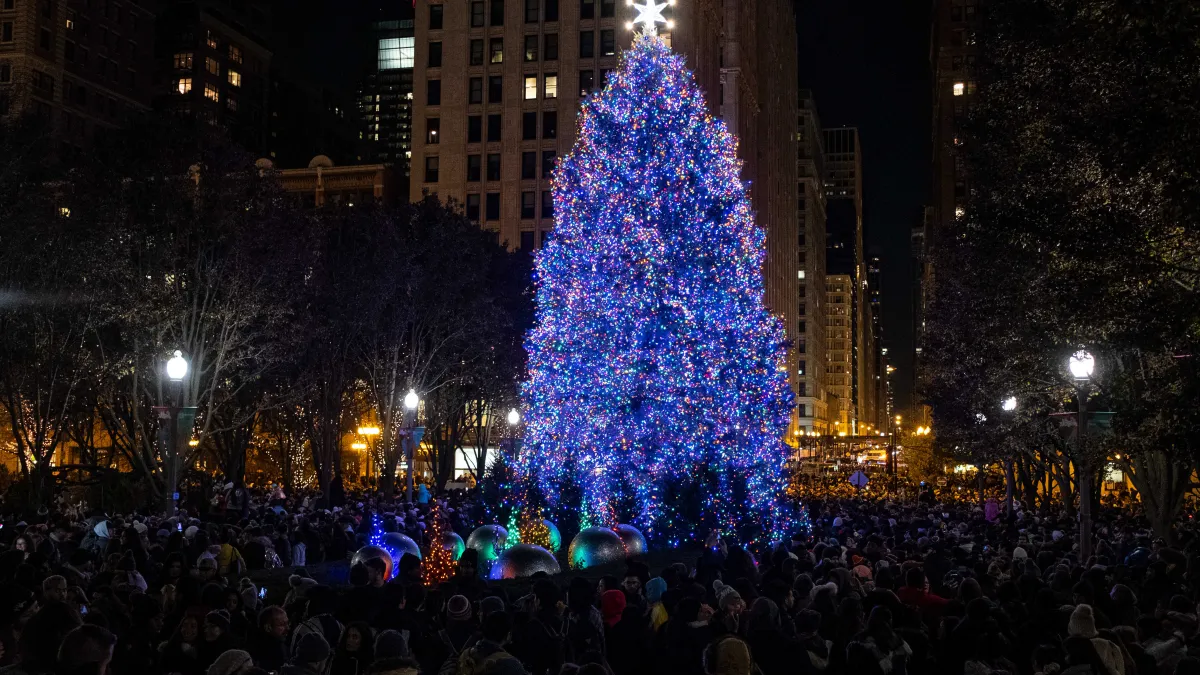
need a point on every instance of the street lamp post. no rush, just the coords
(175, 424)
(412, 438)
(1082, 364)
(1009, 405)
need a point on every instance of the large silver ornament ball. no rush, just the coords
(489, 540)
(366, 553)
(523, 560)
(635, 543)
(401, 543)
(555, 536)
(595, 546)
(453, 543)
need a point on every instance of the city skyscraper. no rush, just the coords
(386, 95)
(497, 86)
(813, 406)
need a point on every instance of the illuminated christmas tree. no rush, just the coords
(656, 393)
(438, 565)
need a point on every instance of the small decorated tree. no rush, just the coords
(438, 565)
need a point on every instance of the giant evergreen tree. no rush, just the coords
(656, 389)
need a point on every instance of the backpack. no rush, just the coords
(470, 663)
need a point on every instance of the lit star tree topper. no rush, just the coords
(650, 15)
(656, 391)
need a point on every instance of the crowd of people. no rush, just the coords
(873, 587)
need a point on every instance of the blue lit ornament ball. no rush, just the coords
(595, 546)
(523, 560)
(555, 536)
(400, 543)
(453, 543)
(489, 541)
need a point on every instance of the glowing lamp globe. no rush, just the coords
(400, 543)
(366, 553)
(489, 541)
(514, 417)
(177, 366)
(1081, 364)
(453, 543)
(1009, 404)
(635, 542)
(411, 399)
(523, 560)
(595, 546)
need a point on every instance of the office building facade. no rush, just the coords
(386, 95)
(844, 258)
(813, 405)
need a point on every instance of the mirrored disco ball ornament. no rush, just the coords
(635, 543)
(523, 560)
(595, 546)
(555, 536)
(366, 553)
(489, 540)
(453, 543)
(401, 543)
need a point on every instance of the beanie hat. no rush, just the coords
(312, 648)
(490, 605)
(459, 608)
(390, 645)
(612, 605)
(232, 662)
(654, 589)
(219, 618)
(250, 597)
(728, 656)
(726, 595)
(1019, 554)
(1082, 623)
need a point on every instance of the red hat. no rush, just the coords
(612, 605)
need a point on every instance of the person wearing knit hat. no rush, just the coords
(231, 662)
(459, 608)
(728, 599)
(490, 604)
(612, 606)
(1083, 624)
(312, 651)
(727, 656)
(390, 644)
(658, 612)
(1019, 554)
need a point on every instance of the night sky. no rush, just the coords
(867, 64)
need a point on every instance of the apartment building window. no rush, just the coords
(431, 169)
(211, 40)
(493, 167)
(531, 11)
(475, 90)
(970, 87)
(550, 124)
(183, 85)
(70, 19)
(231, 103)
(497, 12)
(211, 93)
(235, 53)
(527, 241)
(495, 89)
(528, 165)
(587, 9)
(608, 43)
(493, 130)
(476, 15)
(473, 168)
(547, 204)
(435, 54)
(550, 53)
(548, 160)
(9, 4)
(496, 50)
(473, 208)
(47, 9)
(474, 129)
(551, 10)
(235, 78)
(530, 87)
(183, 61)
(960, 88)
(529, 126)
(551, 88)
(5, 72)
(435, 17)
(956, 63)
(491, 206)
(44, 39)
(43, 84)
(433, 92)
(587, 80)
(531, 48)
(587, 44)
(477, 52)
(211, 65)
(527, 206)
(607, 9)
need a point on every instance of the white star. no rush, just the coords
(649, 15)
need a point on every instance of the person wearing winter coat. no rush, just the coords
(310, 657)
(1083, 624)
(267, 643)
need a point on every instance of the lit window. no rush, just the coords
(959, 88)
(959, 212)
(70, 19)
(231, 103)
(235, 54)
(396, 53)
(211, 65)
(551, 85)
(211, 93)
(183, 85)
(800, 274)
(235, 78)
(183, 61)
(530, 87)
(212, 40)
